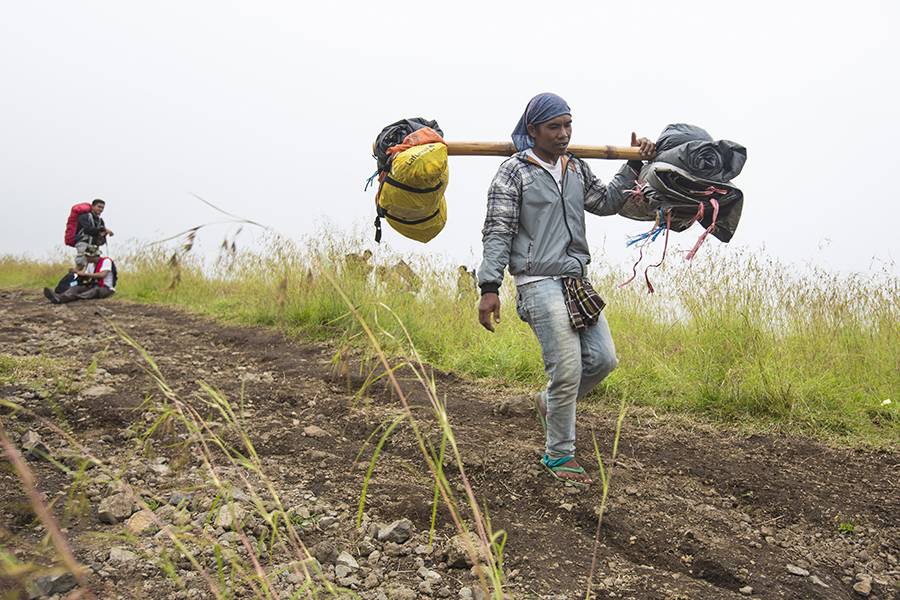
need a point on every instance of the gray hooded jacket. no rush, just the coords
(536, 229)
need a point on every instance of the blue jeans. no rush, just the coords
(575, 362)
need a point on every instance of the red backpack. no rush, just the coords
(72, 223)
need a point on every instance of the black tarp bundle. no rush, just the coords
(687, 182)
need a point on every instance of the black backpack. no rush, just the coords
(66, 282)
(113, 270)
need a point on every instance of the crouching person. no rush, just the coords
(97, 280)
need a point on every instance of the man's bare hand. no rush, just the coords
(489, 311)
(648, 148)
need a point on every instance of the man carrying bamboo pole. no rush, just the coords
(535, 225)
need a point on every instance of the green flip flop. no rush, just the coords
(541, 418)
(557, 465)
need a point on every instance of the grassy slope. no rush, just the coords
(735, 337)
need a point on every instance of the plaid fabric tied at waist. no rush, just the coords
(583, 303)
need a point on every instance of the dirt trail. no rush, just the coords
(694, 512)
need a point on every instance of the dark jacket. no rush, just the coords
(89, 227)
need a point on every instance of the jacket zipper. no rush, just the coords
(562, 199)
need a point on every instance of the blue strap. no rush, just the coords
(555, 463)
(370, 180)
(652, 234)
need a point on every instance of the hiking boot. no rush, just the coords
(51, 296)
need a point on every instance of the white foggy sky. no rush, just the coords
(269, 109)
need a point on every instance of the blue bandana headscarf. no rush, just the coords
(540, 109)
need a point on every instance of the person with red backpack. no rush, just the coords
(97, 280)
(90, 230)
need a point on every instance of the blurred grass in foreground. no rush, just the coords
(736, 337)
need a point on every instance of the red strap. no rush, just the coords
(663, 257)
(641, 255)
(715, 203)
(97, 269)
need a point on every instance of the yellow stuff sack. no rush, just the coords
(411, 196)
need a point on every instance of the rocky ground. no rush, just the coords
(693, 511)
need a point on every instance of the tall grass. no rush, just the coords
(24, 271)
(735, 336)
(740, 337)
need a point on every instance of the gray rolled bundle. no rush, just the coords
(689, 181)
(719, 161)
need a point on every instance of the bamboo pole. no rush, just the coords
(508, 149)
